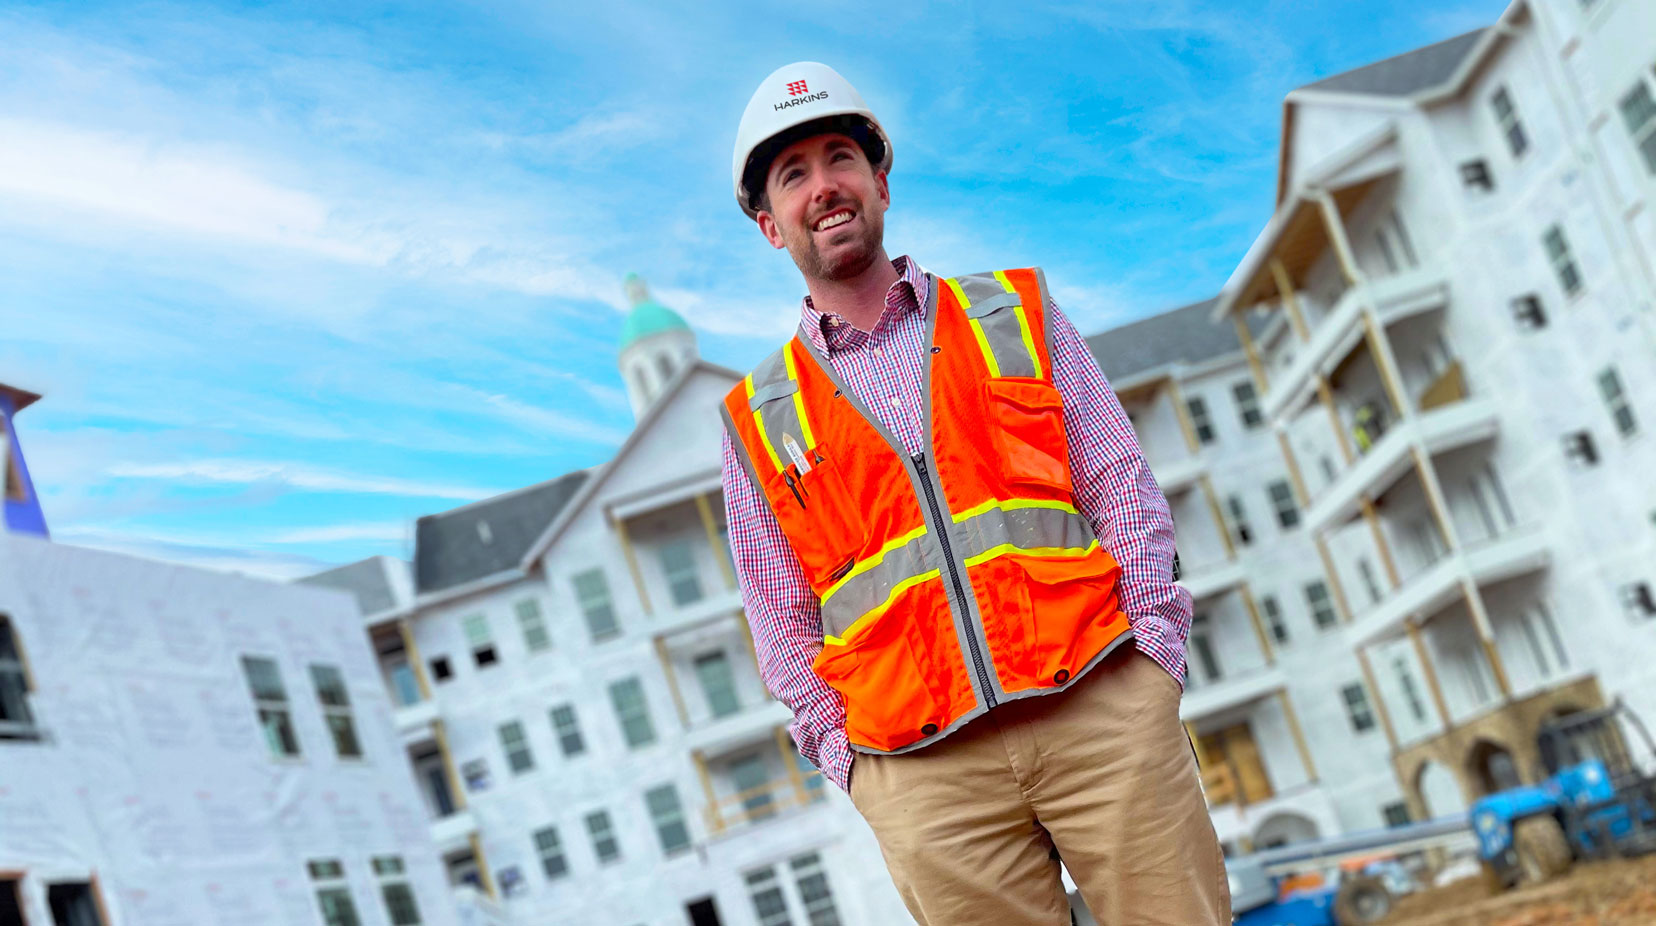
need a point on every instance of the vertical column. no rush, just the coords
(1385, 362)
(1176, 396)
(1290, 301)
(1299, 735)
(1375, 698)
(1255, 364)
(1218, 516)
(1301, 494)
(1434, 498)
(1326, 396)
(483, 872)
(715, 820)
(1334, 225)
(1380, 543)
(414, 661)
(440, 734)
(672, 682)
(1486, 635)
(632, 564)
(1416, 638)
(1258, 625)
(1334, 583)
(721, 550)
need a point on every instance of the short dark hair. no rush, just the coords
(759, 162)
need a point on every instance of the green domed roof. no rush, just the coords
(647, 316)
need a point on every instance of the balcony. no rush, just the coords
(755, 724)
(1336, 336)
(764, 802)
(1232, 691)
(1439, 430)
(453, 831)
(1519, 551)
(718, 602)
(413, 721)
(1212, 578)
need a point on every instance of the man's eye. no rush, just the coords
(792, 175)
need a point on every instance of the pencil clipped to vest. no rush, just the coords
(953, 579)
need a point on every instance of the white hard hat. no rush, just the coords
(792, 98)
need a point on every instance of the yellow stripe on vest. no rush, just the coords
(1009, 548)
(799, 396)
(1013, 504)
(884, 606)
(1023, 325)
(869, 563)
(759, 422)
(977, 329)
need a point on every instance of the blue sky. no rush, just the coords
(293, 275)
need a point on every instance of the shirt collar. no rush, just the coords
(828, 331)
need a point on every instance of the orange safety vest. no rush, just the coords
(953, 579)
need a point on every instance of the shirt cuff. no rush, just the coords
(834, 758)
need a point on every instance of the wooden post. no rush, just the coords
(440, 735)
(1299, 735)
(672, 682)
(1176, 396)
(1218, 516)
(721, 550)
(98, 901)
(414, 660)
(483, 872)
(1374, 697)
(715, 820)
(1255, 364)
(1416, 638)
(1335, 226)
(1385, 363)
(1327, 396)
(1301, 494)
(1379, 540)
(1434, 497)
(632, 564)
(1334, 583)
(1285, 286)
(1486, 636)
(1258, 625)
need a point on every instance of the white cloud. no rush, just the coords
(294, 475)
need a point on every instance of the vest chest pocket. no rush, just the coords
(1026, 417)
(823, 522)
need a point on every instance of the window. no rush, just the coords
(1475, 175)
(1579, 449)
(11, 907)
(1273, 618)
(678, 563)
(16, 720)
(481, 643)
(550, 849)
(664, 365)
(1202, 647)
(1638, 110)
(264, 680)
(751, 776)
(512, 883)
(1247, 404)
(1403, 242)
(1322, 606)
(718, 684)
(1411, 694)
(1282, 502)
(632, 712)
(1199, 419)
(441, 669)
(1638, 600)
(1615, 399)
(336, 710)
(1396, 814)
(72, 904)
(333, 893)
(535, 637)
(1527, 311)
(593, 594)
(1563, 263)
(1240, 528)
(812, 882)
(1357, 707)
(405, 688)
(568, 730)
(516, 746)
(1506, 116)
(769, 905)
(1544, 615)
(398, 896)
(476, 775)
(603, 836)
(668, 815)
(1370, 585)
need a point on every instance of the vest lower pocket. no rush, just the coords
(1075, 612)
(823, 523)
(894, 670)
(1026, 417)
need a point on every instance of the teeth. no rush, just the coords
(838, 218)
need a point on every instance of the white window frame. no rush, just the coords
(278, 708)
(596, 603)
(570, 741)
(1405, 680)
(480, 640)
(728, 681)
(601, 829)
(328, 878)
(1319, 598)
(678, 568)
(14, 686)
(1283, 504)
(1274, 620)
(1556, 245)
(1247, 404)
(625, 716)
(1241, 530)
(335, 702)
(667, 815)
(1639, 103)
(1359, 709)
(1616, 402)
(536, 638)
(514, 743)
(819, 907)
(769, 898)
(1507, 119)
(393, 879)
(1201, 424)
(549, 849)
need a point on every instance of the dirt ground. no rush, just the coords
(1617, 893)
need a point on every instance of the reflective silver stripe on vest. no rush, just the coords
(999, 321)
(775, 412)
(996, 528)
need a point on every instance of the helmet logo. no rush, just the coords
(796, 87)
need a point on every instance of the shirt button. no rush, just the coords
(878, 352)
(834, 321)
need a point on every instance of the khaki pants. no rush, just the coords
(1102, 772)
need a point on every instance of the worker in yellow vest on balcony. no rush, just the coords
(956, 563)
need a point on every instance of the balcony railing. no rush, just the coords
(764, 801)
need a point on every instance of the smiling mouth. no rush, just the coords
(833, 220)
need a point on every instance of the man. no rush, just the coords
(956, 563)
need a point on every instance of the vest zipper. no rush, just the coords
(954, 576)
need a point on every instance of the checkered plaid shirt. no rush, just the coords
(1113, 488)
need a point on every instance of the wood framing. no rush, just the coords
(1334, 583)
(715, 822)
(1176, 396)
(1486, 635)
(1379, 540)
(1334, 225)
(1290, 300)
(440, 735)
(1385, 363)
(1301, 495)
(1326, 396)
(1218, 516)
(1249, 349)
(720, 549)
(414, 661)
(672, 682)
(483, 873)
(1258, 625)
(1289, 714)
(632, 564)
(1375, 700)
(1434, 498)
(1438, 701)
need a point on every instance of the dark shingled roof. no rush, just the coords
(450, 549)
(1183, 335)
(365, 579)
(1405, 74)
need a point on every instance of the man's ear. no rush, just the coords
(884, 187)
(769, 228)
